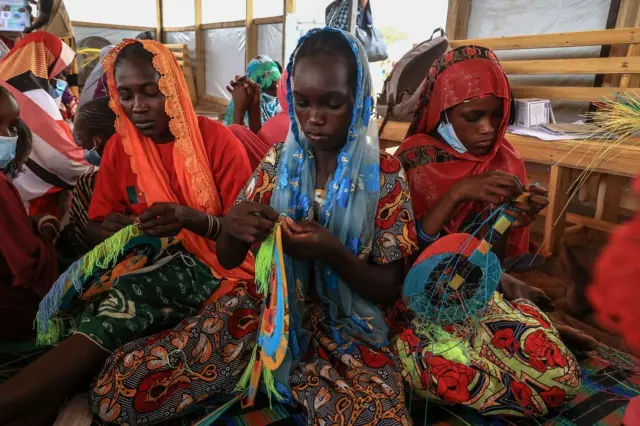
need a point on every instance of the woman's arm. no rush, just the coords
(363, 3)
(433, 222)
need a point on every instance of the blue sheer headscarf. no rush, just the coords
(352, 194)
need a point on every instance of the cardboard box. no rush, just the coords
(532, 112)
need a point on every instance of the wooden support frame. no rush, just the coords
(111, 26)
(159, 24)
(251, 34)
(353, 16)
(200, 52)
(218, 25)
(179, 29)
(458, 19)
(555, 220)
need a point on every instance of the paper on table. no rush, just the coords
(542, 134)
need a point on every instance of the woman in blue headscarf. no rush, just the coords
(255, 95)
(349, 226)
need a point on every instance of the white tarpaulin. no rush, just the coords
(121, 12)
(496, 18)
(224, 58)
(223, 10)
(184, 37)
(178, 13)
(270, 41)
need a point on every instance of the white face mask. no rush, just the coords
(8, 145)
(449, 135)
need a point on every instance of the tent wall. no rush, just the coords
(490, 18)
(224, 59)
(114, 35)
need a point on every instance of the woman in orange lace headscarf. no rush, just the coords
(177, 175)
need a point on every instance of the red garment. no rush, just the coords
(614, 292)
(432, 166)
(117, 191)
(276, 129)
(28, 266)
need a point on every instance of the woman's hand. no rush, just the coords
(250, 222)
(494, 187)
(307, 240)
(163, 220)
(527, 212)
(114, 222)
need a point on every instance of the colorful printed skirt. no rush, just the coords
(203, 358)
(513, 363)
(155, 284)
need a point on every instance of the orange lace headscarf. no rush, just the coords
(189, 157)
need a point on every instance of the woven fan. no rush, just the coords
(454, 278)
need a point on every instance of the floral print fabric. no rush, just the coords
(518, 366)
(203, 358)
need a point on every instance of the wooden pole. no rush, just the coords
(251, 34)
(288, 5)
(200, 67)
(458, 19)
(159, 35)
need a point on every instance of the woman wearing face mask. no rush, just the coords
(459, 166)
(94, 126)
(55, 162)
(28, 262)
(457, 159)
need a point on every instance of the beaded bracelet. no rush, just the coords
(423, 237)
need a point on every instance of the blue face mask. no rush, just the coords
(58, 89)
(92, 157)
(8, 145)
(449, 135)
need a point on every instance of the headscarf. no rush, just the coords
(56, 162)
(189, 158)
(432, 167)
(264, 71)
(352, 196)
(94, 86)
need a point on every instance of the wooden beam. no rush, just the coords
(269, 20)
(587, 222)
(159, 25)
(200, 52)
(458, 19)
(586, 94)
(111, 26)
(554, 223)
(622, 159)
(179, 29)
(542, 41)
(218, 25)
(628, 65)
(251, 34)
(289, 6)
(609, 198)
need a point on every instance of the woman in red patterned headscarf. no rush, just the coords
(457, 159)
(29, 72)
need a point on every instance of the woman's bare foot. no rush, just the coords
(579, 279)
(514, 289)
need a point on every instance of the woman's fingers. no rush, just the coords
(539, 200)
(159, 222)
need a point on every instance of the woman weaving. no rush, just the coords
(338, 359)
(460, 167)
(177, 175)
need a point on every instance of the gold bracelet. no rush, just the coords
(215, 236)
(210, 227)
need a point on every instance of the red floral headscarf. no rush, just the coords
(432, 166)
